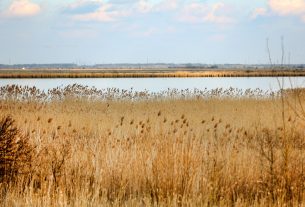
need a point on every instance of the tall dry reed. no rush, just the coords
(156, 150)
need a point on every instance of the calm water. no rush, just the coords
(159, 84)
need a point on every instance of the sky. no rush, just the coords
(155, 31)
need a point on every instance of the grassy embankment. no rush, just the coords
(134, 73)
(213, 149)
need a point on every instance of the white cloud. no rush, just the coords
(81, 3)
(167, 5)
(22, 8)
(194, 12)
(145, 6)
(203, 12)
(259, 12)
(282, 8)
(108, 12)
(213, 17)
(288, 8)
(105, 13)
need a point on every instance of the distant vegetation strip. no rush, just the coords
(126, 73)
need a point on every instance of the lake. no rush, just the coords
(160, 84)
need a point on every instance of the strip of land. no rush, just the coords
(148, 73)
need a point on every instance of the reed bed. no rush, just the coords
(79, 146)
(20, 93)
(148, 73)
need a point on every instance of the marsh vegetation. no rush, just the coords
(149, 73)
(80, 146)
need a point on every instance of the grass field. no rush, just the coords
(142, 73)
(76, 147)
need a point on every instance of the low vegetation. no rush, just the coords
(148, 73)
(79, 146)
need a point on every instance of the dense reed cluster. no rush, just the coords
(25, 93)
(88, 147)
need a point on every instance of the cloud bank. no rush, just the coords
(202, 12)
(188, 11)
(22, 8)
(282, 8)
(288, 7)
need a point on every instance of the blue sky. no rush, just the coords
(169, 31)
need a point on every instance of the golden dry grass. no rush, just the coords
(148, 73)
(160, 152)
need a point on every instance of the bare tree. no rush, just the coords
(268, 50)
(283, 51)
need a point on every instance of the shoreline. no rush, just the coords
(147, 73)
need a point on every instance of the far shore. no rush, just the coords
(148, 73)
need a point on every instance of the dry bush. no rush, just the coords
(15, 151)
(15, 158)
